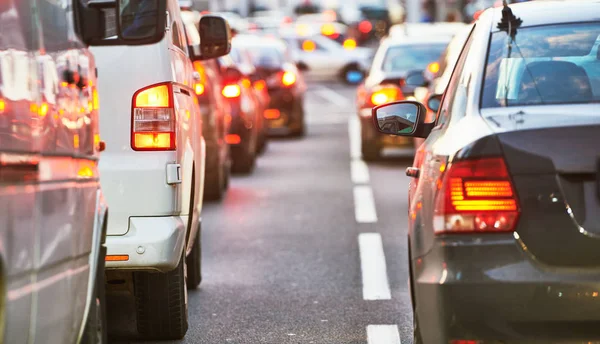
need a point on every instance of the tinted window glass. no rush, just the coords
(411, 57)
(554, 64)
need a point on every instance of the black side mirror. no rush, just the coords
(215, 38)
(405, 118)
(120, 22)
(434, 101)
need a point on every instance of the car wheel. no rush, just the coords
(161, 303)
(245, 160)
(300, 129)
(352, 75)
(194, 262)
(262, 143)
(95, 328)
(214, 185)
(370, 151)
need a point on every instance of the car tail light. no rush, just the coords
(153, 119)
(385, 94)
(233, 139)
(2, 105)
(232, 91)
(476, 196)
(365, 26)
(199, 89)
(260, 85)
(288, 79)
(328, 29)
(349, 44)
(272, 114)
(433, 67)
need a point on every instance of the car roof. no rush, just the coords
(429, 29)
(550, 12)
(422, 40)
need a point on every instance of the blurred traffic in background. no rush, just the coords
(300, 171)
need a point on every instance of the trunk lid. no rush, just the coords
(553, 157)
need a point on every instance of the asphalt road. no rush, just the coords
(285, 254)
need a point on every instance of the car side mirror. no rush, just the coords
(405, 118)
(133, 22)
(215, 38)
(434, 101)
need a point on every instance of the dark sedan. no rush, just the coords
(504, 210)
(285, 84)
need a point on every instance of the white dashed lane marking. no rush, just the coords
(383, 334)
(364, 204)
(359, 172)
(373, 268)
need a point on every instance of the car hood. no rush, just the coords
(544, 116)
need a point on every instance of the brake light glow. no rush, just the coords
(385, 95)
(117, 257)
(433, 67)
(260, 85)
(288, 79)
(309, 46)
(2, 105)
(231, 91)
(349, 44)
(153, 119)
(365, 26)
(233, 139)
(476, 196)
(328, 29)
(272, 114)
(199, 89)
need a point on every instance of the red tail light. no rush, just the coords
(385, 94)
(288, 79)
(232, 91)
(153, 119)
(199, 89)
(233, 139)
(365, 26)
(476, 196)
(272, 114)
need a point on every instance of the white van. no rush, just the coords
(52, 213)
(153, 166)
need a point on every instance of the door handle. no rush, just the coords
(413, 172)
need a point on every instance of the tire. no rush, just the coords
(95, 328)
(370, 151)
(244, 162)
(161, 303)
(214, 187)
(301, 130)
(262, 143)
(194, 262)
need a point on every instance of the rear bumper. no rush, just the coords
(290, 107)
(490, 290)
(152, 243)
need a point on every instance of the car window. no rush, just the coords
(177, 37)
(552, 64)
(266, 56)
(455, 98)
(411, 57)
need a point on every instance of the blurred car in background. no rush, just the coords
(323, 58)
(277, 71)
(245, 121)
(241, 53)
(397, 70)
(333, 30)
(369, 21)
(215, 111)
(269, 21)
(503, 232)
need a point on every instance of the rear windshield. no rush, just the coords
(553, 64)
(266, 56)
(411, 57)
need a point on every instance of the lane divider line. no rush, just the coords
(354, 134)
(373, 268)
(383, 334)
(359, 172)
(364, 204)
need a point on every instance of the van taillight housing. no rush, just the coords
(153, 122)
(476, 196)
